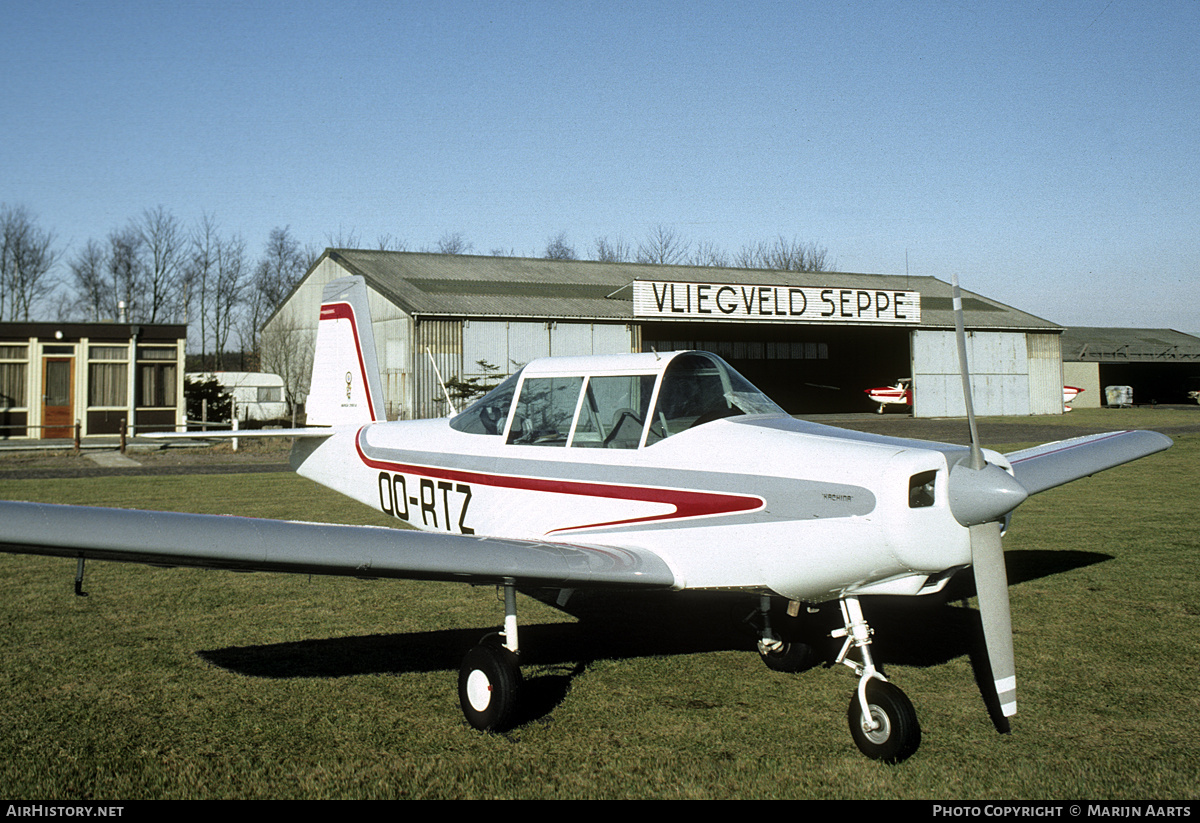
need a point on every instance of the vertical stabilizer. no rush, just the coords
(346, 387)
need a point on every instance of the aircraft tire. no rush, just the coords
(489, 682)
(793, 657)
(899, 736)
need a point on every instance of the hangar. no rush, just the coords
(814, 341)
(1160, 365)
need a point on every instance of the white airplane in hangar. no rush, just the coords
(643, 471)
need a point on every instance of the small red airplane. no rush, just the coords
(900, 394)
(1069, 394)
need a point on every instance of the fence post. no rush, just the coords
(122, 435)
(78, 430)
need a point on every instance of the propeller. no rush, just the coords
(981, 494)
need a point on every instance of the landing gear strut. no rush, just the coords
(780, 655)
(882, 720)
(489, 680)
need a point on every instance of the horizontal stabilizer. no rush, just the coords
(249, 544)
(1053, 464)
(227, 434)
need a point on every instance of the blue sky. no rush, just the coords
(1048, 152)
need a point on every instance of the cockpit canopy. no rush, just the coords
(605, 402)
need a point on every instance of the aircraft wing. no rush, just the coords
(249, 544)
(1053, 464)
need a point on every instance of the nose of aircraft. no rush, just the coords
(983, 495)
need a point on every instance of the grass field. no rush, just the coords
(177, 683)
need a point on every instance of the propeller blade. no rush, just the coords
(991, 585)
(980, 495)
(960, 334)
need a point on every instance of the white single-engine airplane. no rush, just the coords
(640, 471)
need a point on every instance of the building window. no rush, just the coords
(14, 361)
(156, 378)
(108, 369)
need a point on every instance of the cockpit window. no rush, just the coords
(613, 412)
(545, 410)
(488, 414)
(699, 388)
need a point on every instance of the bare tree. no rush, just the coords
(163, 245)
(281, 267)
(663, 246)
(453, 243)
(557, 248)
(228, 290)
(344, 239)
(26, 257)
(124, 275)
(386, 242)
(200, 277)
(88, 268)
(612, 251)
(286, 349)
(784, 255)
(708, 253)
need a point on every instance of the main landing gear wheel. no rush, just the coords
(787, 656)
(897, 734)
(488, 686)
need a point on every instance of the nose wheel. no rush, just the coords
(883, 722)
(892, 733)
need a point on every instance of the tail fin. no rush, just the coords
(346, 387)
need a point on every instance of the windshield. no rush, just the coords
(488, 414)
(698, 388)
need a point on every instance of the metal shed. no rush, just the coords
(1160, 365)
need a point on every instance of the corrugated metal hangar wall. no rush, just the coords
(459, 346)
(1012, 373)
(455, 311)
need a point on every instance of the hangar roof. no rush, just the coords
(473, 286)
(1093, 344)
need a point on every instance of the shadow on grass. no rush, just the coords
(909, 631)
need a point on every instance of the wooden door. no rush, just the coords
(58, 407)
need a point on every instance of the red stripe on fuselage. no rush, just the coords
(686, 503)
(344, 311)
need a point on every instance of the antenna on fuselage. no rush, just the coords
(442, 383)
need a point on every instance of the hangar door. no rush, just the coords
(805, 368)
(1000, 379)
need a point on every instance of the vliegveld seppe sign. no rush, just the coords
(773, 303)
